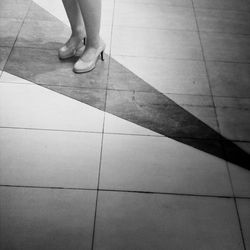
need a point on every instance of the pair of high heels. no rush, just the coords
(83, 65)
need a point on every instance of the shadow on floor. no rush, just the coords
(138, 102)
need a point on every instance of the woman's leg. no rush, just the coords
(91, 12)
(75, 17)
(77, 27)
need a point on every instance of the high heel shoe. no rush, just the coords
(83, 65)
(66, 51)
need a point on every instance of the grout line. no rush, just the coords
(48, 187)
(179, 59)
(211, 8)
(206, 69)
(103, 130)
(236, 208)
(126, 134)
(159, 4)
(21, 26)
(124, 191)
(187, 7)
(181, 30)
(235, 201)
(50, 129)
(240, 224)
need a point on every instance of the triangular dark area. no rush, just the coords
(35, 58)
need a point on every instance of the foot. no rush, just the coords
(88, 60)
(74, 46)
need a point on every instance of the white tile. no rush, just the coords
(226, 47)
(114, 124)
(223, 4)
(155, 43)
(46, 219)
(31, 106)
(160, 164)
(237, 22)
(148, 221)
(160, 16)
(184, 3)
(49, 158)
(169, 76)
(9, 78)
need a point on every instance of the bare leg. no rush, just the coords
(77, 27)
(91, 12)
(75, 17)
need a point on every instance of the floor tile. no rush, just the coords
(229, 79)
(183, 3)
(7, 7)
(158, 164)
(9, 78)
(46, 219)
(159, 113)
(159, 16)
(41, 34)
(223, 21)
(36, 13)
(93, 97)
(4, 54)
(199, 106)
(116, 125)
(223, 4)
(43, 67)
(31, 106)
(122, 78)
(9, 29)
(240, 176)
(146, 221)
(233, 117)
(49, 158)
(226, 47)
(135, 42)
(167, 76)
(244, 208)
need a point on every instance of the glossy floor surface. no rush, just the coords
(148, 151)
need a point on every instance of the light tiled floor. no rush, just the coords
(148, 151)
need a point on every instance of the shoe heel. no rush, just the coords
(102, 56)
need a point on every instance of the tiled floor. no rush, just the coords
(148, 151)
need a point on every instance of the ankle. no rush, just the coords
(78, 33)
(93, 43)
